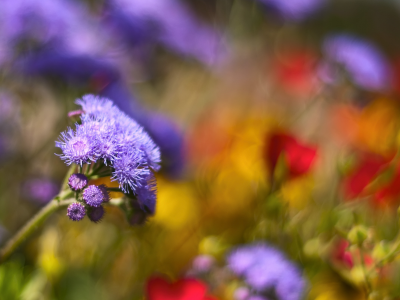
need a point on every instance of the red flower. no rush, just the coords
(184, 289)
(298, 157)
(366, 171)
(389, 194)
(295, 72)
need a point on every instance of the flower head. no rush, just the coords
(146, 194)
(95, 214)
(109, 136)
(77, 181)
(94, 196)
(76, 211)
(76, 147)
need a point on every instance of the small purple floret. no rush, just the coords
(93, 196)
(77, 181)
(76, 212)
(96, 214)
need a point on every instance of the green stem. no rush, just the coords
(31, 226)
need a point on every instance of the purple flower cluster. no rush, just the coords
(364, 63)
(267, 270)
(109, 136)
(115, 145)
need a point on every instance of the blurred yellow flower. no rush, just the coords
(298, 192)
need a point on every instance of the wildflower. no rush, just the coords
(76, 211)
(77, 148)
(95, 214)
(94, 196)
(363, 62)
(146, 194)
(77, 181)
(130, 170)
(299, 157)
(183, 289)
(136, 20)
(265, 268)
(363, 174)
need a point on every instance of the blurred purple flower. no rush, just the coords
(40, 190)
(265, 268)
(203, 263)
(363, 62)
(293, 10)
(168, 22)
(34, 24)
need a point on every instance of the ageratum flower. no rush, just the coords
(109, 136)
(96, 214)
(146, 194)
(94, 196)
(77, 181)
(265, 268)
(76, 211)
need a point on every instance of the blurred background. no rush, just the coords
(278, 121)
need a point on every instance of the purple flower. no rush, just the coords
(143, 22)
(203, 263)
(95, 214)
(40, 190)
(76, 211)
(77, 181)
(293, 10)
(76, 147)
(264, 268)
(107, 134)
(363, 62)
(93, 196)
(146, 194)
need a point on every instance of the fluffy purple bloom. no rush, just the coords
(264, 268)
(40, 190)
(363, 61)
(108, 135)
(130, 170)
(77, 181)
(146, 194)
(76, 147)
(293, 10)
(93, 196)
(95, 214)
(76, 211)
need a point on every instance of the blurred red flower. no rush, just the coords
(299, 157)
(368, 168)
(295, 72)
(389, 193)
(159, 288)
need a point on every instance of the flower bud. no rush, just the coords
(357, 235)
